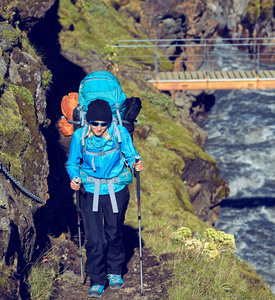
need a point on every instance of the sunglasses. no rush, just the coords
(102, 124)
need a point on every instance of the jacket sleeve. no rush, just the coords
(75, 156)
(127, 147)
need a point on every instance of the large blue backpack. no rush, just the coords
(98, 85)
(105, 86)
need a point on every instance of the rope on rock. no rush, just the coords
(19, 185)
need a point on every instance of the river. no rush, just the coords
(241, 137)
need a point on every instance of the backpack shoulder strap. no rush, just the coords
(116, 130)
(81, 115)
(118, 143)
(83, 138)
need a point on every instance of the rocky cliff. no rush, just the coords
(24, 80)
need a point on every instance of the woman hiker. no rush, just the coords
(102, 172)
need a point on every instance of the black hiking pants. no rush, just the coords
(103, 231)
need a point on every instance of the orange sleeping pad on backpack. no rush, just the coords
(68, 104)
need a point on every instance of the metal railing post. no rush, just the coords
(156, 58)
(206, 57)
(255, 51)
(258, 58)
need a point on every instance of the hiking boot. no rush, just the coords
(116, 281)
(96, 291)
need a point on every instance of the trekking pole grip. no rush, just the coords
(138, 179)
(76, 179)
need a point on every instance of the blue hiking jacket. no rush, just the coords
(106, 166)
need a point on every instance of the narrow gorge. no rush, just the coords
(42, 59)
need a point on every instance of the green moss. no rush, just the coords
(211, 242)
(14, 134)
(12, 36)
(23, 93)
(47, 78)
(20, 140)
(33, 154)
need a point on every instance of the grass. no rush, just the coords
(163, 102)
(91, 21)
(94, 26)
(197, 276)
(8, 283)
(42, 278)
(44, 272)
(206, 267)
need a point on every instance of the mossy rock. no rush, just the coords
(9, 37)
(257, 10)
(14, 135)
(8, 283)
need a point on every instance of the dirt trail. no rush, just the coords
(156, 278)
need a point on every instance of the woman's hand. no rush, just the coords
(138, 166)
(75, 186)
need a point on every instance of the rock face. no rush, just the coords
(177, 20)
(27, 12)
(203, 20)
(23, 84)
(205, 188)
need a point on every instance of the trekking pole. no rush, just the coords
(76, 179)
(139, 225)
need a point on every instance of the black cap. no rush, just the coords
(99, 110)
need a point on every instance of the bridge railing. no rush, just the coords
(198, 53)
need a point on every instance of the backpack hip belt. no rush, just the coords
(98, 182)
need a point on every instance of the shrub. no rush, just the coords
(211, 242)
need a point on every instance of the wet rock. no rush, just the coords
(207, 189)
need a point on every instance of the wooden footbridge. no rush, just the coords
(219, 80)
(221, 64)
